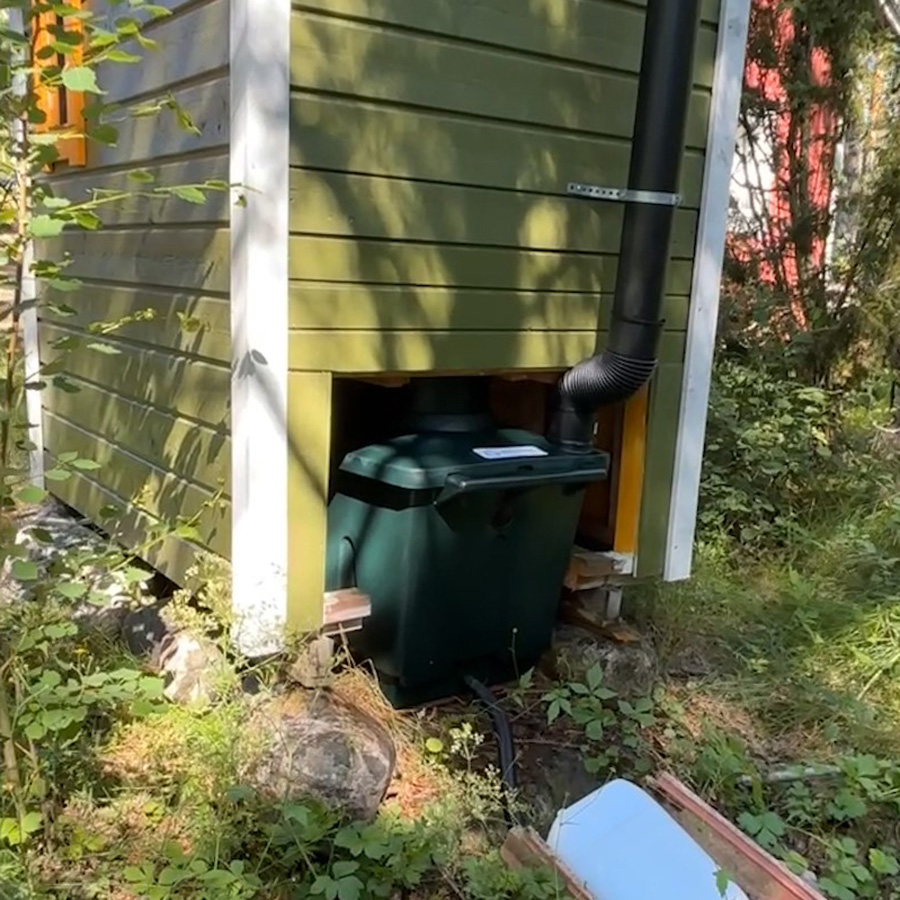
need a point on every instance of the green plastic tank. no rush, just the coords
(460, 534)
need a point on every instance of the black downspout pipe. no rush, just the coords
(664, 92)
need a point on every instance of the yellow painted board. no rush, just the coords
(196, 258)
(335, 307)
(147, 138)
(662, 435)
(373, 352)
(188, 47)
(362, 206)
(631, 472)
(139, 209)
(386, 262)
(309, 457)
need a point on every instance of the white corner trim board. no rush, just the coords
(34, 408)
(260, 141)
(701, 335)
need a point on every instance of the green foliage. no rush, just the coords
(487, 878)
(780, 455)
(613, 728)
(57, 700)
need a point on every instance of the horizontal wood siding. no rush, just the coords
(352, 135)
(371, 352)
(431, 149)
(432, 144)
(328, 307)
(144, 343)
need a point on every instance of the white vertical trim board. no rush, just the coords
(34, 407)
(28, 320)
(260, 140)
(704, 310)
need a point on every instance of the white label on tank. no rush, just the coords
(522, 452)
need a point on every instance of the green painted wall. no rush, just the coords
(153, 408)
(431, 147)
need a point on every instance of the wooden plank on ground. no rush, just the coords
(525, 848)
(751, 867)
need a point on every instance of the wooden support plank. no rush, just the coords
(345, 611)
(593, 568)
(309, 459)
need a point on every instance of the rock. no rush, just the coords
(314, 664)
(555, 780)
(688, 663)
(320, 747)
(629, 670)
(191, 665)
(144, 629)
(62, 545)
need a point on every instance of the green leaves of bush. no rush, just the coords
(777, 452)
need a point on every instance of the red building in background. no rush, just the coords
(783, 178)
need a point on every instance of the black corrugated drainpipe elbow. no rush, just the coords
(664, 93)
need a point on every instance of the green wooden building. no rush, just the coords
(401, 210)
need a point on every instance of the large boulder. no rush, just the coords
(314, 745)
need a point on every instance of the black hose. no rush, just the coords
(503, 731)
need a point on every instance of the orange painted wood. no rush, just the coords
(630, 487)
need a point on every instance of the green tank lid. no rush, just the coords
(424, 461)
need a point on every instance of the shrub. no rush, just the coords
(782, 456)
